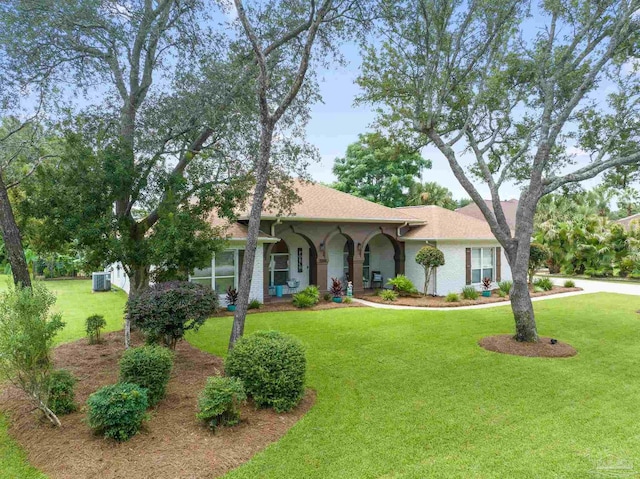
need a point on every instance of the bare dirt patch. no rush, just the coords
(172, 444)
(439, 301)
(504, 343)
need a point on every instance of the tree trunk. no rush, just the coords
(522, 307)
(12, 240)
(138, 281)
(244, 288)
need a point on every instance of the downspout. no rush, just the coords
(400, 227)
(273, 226)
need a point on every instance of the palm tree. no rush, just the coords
(431, 193)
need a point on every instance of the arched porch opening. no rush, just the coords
(340, 252)
(384, 256)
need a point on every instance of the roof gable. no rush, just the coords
(441, 223)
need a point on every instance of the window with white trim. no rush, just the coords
(222, 273)
(279, 264)
(366, 266)
(482, 264)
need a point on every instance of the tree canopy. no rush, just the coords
(379, 169)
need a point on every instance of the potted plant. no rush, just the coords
(486, 287)
(336, 290)
(232, 298)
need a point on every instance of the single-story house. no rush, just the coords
(629, 221)
(331, 234)
(509, 208)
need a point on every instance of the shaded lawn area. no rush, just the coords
(409, 394)
(75, 302)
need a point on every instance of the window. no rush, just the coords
(482, 264)
(366, 267)
(279, 264)
(222, 273)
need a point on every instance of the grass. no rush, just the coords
(75, 302)
(409, 394)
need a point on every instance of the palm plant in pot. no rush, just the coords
(232, 298)
(486, 287)
(336, 290)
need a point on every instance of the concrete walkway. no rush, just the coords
(588, 286)
(594, 286)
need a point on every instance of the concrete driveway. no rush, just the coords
(593, 286)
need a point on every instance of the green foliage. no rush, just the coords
(347, 300)
(272, 367)
(538, 256)
(505, 286)
(165, 311)
(388, 295)
(219, 402)
(429, 257)
(27, 331)
(93, 326)
(469, 292)
(308, 297)
(379, 169)
(117, 411)
(402, 285)
(569, 283)
(327, 296)
(502, 294)
(544, 283)
(452, 298)
(431, 193)
(149, 367)
(61, 395)
(538, 289)
(255, 304)
(336, 288)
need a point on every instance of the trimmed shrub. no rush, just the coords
(452, 298)
(347, 300)
(429, 257)
(117, 411)
(272, 367)
(544, 283)
(149, 367)
(27, 331)
(93, 326)
(219, 401)
(502, 294)
(402, 285)
(327, 296)
(538, 256)
(505, 286)
(61, 395)
(388, 295)
(469, 292)
(255, 304)
(569, 284)
(165, 311)
(309, 296)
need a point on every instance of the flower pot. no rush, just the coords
(337, 299)
(486, 294)
(231, 307)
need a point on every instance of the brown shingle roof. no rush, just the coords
(626, 222)
(509, 208)
(234, 230)
(322, 203)
(441, 223)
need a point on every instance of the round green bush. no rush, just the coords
(569, 284)
(272, 367)
(117, 411)
(219, 401)
(61, 395)
(452, 298)
(165, 311)
(93, 326)
(309, 296)
(388, 295)
(149, 367)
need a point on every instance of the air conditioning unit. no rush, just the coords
(101, 281)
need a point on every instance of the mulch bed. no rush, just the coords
(504, 343)
(279, 306)
(172, 444)
(439, 302)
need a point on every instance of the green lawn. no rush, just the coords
(409, 394)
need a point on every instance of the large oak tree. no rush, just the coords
(502, 94)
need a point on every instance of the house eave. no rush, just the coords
(402, 221)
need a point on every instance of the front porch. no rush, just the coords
(313, 254)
